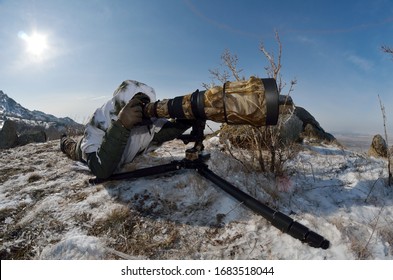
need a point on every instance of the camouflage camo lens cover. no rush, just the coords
(243, 102)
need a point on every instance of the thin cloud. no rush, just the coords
(360, 62)
(306, 40)
(344, 29)
(218, 24)
(93, 97)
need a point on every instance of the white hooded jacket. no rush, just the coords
(140, 136)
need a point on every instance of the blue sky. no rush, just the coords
(332, 48)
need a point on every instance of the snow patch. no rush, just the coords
(48, 210)
(75, 247)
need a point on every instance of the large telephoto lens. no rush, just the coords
(253, 102)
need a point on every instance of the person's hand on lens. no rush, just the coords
(131, 113)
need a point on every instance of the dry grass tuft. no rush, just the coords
(34, 177)
(386, 234)
(128, 232)
(8, 172)
(358, 247)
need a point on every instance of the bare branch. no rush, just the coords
(230, 60)
(386, 139)
(274, 69)
(223, 75)
(216, 74)
(387, 49)
(279, 51)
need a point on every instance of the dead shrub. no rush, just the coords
(265, 145)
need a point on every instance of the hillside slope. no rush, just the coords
(48, 210)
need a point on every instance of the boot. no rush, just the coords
(68, 146)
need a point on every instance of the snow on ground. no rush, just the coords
(48, 210)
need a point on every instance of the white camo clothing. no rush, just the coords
(140, 136)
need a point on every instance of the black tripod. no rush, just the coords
(195, 160)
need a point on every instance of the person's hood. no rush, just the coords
(128, 89)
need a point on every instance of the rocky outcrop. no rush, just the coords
(32, 137)
(8, 135)
(378, 147)
(291, 129)
(295, 123)
(298, 125)
(312, 128)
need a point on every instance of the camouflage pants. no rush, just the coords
(71, 148)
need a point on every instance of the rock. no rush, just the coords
(32, 137)
(378, 147)
(295, 124)
(8, 135)
(312, 128)
(291, 129)
(314, 132)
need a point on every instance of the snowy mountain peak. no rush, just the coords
(10, 109)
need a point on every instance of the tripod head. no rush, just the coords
(197, 136)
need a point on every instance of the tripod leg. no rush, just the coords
(276, 218)
(149, 171)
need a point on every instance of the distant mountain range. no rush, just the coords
(32, 120)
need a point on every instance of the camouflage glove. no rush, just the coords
(131, 113)
(142, 97)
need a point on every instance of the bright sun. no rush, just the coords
(36, 43)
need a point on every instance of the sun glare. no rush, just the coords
(36, 43)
